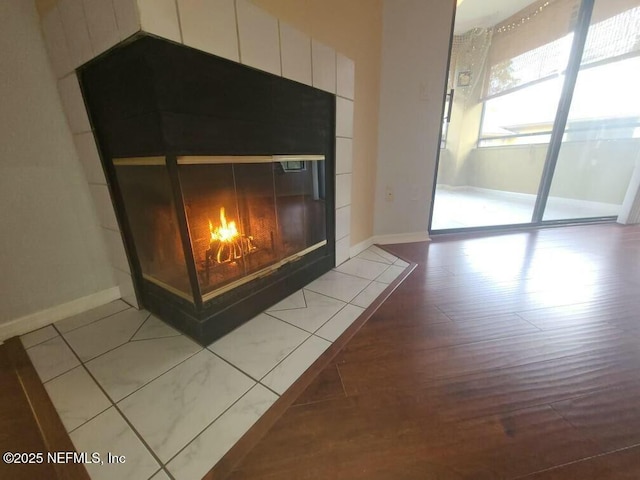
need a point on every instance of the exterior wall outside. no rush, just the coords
(597, 171)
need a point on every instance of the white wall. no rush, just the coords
(51, 250)
(415, 48)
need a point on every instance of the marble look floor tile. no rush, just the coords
(99, 337)
(290, 369)
(173, 409)
(338, 324)
(90, 316)
(338, 285)
(369, 294)
(209, 447)
(401, 263)
(320, 308)
(153, 327)
(130, 366)
(259, 345)
(161, 475)
(109, 432)
(295, 300)
(390, 274)
(38, 336)
(52, 358)
(374, 257)
(362, 268)
(383, 253)
(76, 397)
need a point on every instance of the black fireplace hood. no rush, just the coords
(149, 97)
(154, 97)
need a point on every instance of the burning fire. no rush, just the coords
(226, 244)
(225, 232)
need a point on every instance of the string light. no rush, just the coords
(516, 24)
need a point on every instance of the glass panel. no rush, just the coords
(148, 204)
(212, 214)
(245, 217)
(301, 210)
(507, 68)
(602, 137)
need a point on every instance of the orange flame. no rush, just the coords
(226, 232)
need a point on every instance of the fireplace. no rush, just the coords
(222, 179)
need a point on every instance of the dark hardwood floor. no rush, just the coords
(500, 357)
(29, 422)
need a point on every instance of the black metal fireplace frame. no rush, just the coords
(144, 98)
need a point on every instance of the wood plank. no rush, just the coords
(54, 437)
(621, 465)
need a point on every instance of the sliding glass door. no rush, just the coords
(601, 140)
(543, 114)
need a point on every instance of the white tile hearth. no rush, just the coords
(77, 397)
(110, 433)
(247, 348)
(127, 368)
(52, 358)
(362, 268)
(369, 294)
(173, 409)
(295, 300)
(382, 253)
(38, 336)
(287, 372)
(125, 382)
(338, 324)
(153, 327)
(161, 475)
(390, 274)
(207, 449)
(370, 254)
(319, 309)
(401, 263)
(91, 316)
(338, 285)
(101, 336)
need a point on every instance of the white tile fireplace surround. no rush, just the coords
(76, 31)
(126, 383)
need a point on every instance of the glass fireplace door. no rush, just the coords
(203, 225)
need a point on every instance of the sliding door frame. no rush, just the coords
(581, 31)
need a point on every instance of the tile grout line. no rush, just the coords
(157, 376)
(218, 418)
(314, 332)
(92, 322)
(117, 408)
(309, 335)
(217, 355)
(139, 328)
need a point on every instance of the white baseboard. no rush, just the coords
(360, 247)
(401, 238)
(33, 321)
